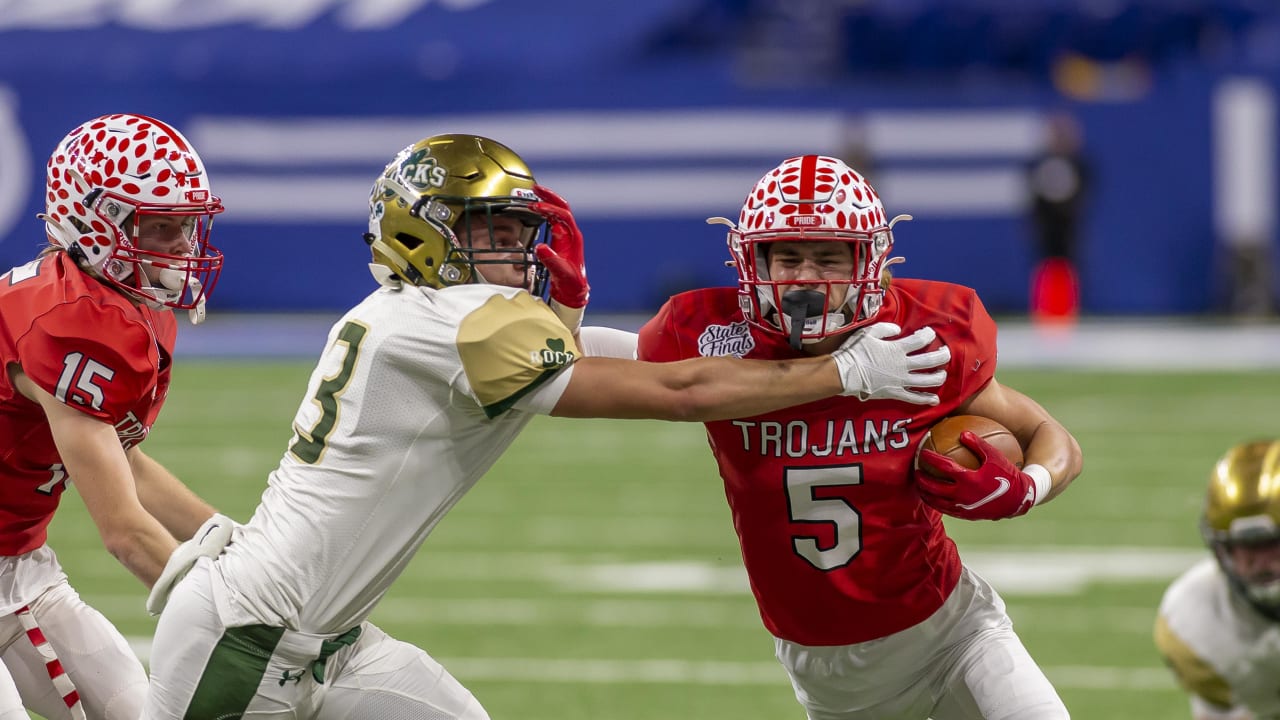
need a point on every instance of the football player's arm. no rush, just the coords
(696, 390)
(1211, 696)
(179, 509)
(95, 461)
(1045, 441)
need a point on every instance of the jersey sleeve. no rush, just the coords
(1194, 674)
(509, 346)
(659, 341)
(978, 365)
(96, 363)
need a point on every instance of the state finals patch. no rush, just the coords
(733, 340)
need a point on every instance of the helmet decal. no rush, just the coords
(420, 171)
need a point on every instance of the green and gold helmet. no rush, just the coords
(426, 199)
(1242, 507)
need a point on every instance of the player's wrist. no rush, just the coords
(571, 317)
(1043, 481)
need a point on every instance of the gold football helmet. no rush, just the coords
(423, 205)
(1242, 508)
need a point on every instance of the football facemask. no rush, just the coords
(811, 199)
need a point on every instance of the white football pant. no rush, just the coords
(58, 650)
(10, 701)
(963, 663)
(203, 670)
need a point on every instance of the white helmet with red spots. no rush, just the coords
(811, 198)
(105, 179)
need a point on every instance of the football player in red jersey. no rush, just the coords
(86, 337)
(873, 612)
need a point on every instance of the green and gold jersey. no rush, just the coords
(418, 392)
(1218, 647)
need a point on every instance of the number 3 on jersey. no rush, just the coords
(806, 488)
(310, 445)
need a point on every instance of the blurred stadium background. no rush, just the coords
(595, 573)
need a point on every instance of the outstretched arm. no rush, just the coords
(869, 365)
(694, 390)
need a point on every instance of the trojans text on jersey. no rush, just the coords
(823, 438)
(131, 430)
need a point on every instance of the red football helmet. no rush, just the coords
(128, 197)
(811, 198)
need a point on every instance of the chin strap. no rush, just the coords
(385, 276)
(175, 283)
(196, 314)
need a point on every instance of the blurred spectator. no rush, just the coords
(1244, 180)
(856, 151)
(1058, 181)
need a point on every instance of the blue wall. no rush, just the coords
(575, 87)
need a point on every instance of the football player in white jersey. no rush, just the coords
(420, 388)
(1219, 623)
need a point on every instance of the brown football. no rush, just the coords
(944, 438)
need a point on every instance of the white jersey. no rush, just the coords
(1221, 649)
(413, 399)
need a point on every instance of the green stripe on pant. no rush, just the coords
(234, 672)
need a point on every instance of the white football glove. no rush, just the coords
(209, 541)
(875, 368)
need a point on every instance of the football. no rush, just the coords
(944, 438)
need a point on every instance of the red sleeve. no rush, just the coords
(979, 363)
(95, 362)
(659, 340)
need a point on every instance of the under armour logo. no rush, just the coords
(213, 527)
(286, 676)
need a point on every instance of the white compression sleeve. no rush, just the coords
(608, 342)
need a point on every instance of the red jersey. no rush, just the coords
(89, 347)
(838, 547)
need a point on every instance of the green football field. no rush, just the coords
(595, 574)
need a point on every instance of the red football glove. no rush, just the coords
(563, 257)
(996, 490)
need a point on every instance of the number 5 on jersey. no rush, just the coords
(813, 496)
